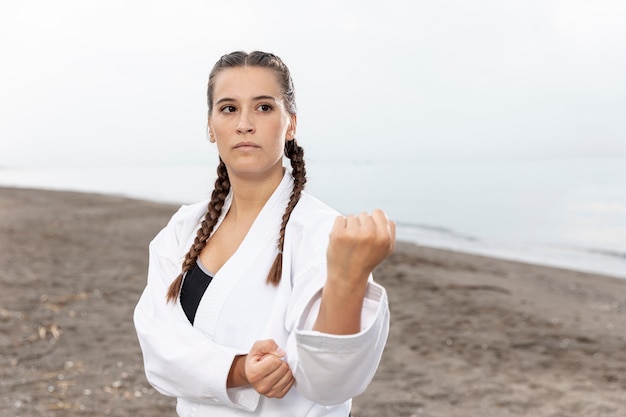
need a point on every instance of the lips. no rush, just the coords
(246, 145)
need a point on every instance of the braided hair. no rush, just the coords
(222, 187)
(292, 150)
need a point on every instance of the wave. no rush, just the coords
(592, 260)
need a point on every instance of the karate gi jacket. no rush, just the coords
(192, 362)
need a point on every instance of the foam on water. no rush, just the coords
(591, 260)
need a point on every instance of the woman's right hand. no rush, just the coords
(268, 374)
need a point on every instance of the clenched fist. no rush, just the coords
(358, 244)
(266, 372)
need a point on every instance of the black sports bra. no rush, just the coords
(196, 281)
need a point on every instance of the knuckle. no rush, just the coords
(369, 234)
(263, 388)
(253, 379)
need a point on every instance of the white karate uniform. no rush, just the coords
(192, 362)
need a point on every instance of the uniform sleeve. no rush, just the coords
(330, 369)
(179, 360)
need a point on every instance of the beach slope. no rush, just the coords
(470, 335)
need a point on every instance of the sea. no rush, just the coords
(568, 213)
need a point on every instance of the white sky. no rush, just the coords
(123, 82)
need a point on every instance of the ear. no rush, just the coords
(210, 131)
(291, 130)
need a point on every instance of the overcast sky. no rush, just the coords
(123, 82)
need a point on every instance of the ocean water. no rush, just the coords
(565, 213)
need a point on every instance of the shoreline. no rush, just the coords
(579, 259)
(470, 335)
(591, 260)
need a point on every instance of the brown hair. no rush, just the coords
(222, 184)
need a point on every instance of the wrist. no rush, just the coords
(237, 375)
(346, 286)
(341, 306)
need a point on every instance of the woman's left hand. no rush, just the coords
(357, 245)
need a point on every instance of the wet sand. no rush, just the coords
(470, 335)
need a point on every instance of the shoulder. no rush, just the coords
(181, 225)
(309, 228)
(190, 211)
(311, 214)
(188, 215)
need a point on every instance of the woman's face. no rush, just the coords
(249, 122)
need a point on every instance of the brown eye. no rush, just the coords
(265, 107)
(228, 109)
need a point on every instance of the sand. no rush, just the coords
(470, 335)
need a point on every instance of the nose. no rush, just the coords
(245, 125)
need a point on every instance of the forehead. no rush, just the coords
(245, 82)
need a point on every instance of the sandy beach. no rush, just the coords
(471, 336)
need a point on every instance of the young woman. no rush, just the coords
(261, 300)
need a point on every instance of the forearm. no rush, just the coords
(357, 245)
(341, 306)
(237, 374)
(331, 368)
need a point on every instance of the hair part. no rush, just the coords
(292, 150)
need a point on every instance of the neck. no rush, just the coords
(251, 193)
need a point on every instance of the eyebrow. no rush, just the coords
(257, 98)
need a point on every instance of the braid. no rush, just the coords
(296, 154)
(222, 187)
